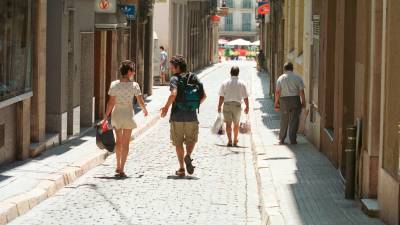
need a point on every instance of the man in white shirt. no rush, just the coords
(231, 94)
(289, 100)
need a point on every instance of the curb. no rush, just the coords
(20, 204)
(270, 214)
(269, 211)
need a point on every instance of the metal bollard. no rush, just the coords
(351, 133)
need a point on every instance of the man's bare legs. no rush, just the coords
(180, 153)
(236, 127)
(163, 79)
(229, 132)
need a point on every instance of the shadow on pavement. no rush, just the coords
(174, 177)
(230, 148)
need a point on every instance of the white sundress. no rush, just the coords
(122, 117)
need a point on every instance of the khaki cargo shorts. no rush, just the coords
(232, 112)
(184, 133)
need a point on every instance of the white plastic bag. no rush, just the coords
(303, 121)
(218, 124)
(245, 127)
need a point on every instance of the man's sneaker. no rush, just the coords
(189, 165)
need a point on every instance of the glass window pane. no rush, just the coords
(230, 4)
(247, 4)
(229, 22)
(246, 21)
(15, 48)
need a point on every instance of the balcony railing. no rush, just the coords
(238, 28)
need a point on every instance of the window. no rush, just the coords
(229, 22)
(230, 4)
(15, 48)
(246, 22)
(247, 4)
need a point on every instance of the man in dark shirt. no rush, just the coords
(184, 123)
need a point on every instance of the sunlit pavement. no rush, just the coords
(221, 191)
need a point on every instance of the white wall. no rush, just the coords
(161, 22)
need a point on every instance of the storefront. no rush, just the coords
(111, 46)
(16, 47)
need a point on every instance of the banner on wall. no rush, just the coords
(263, 8)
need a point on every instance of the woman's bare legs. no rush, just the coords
(119, 147)
(126, 139)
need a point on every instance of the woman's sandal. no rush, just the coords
(120, 173)
(180, 172)
(123, 175)
(235, 144)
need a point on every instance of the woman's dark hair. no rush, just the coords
(288, 66)
(162, 47)
(235, 71)
(126, 66)
(179, 61)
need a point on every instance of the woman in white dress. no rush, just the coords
(120, 108)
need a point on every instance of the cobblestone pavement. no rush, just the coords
(221, 191)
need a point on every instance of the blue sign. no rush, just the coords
(129, 11)
(262, 3)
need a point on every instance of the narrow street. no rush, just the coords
(221, 191)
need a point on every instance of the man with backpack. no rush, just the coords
(187, 93)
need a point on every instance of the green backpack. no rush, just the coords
(190, 93)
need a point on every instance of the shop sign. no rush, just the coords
(222, 11)
(263, 8)
(129, 11)
(105, 6)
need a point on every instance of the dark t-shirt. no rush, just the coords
(178, 115)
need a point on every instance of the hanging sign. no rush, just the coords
(105, 6)
(263, 8)
(129, 11)
(215, 18)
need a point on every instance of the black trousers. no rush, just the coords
(290, 108)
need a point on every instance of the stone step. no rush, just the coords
(370, 207)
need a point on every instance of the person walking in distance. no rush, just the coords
(163, 65)
(120, 108)
(289, 100)
(261, 60)
(231, 94)
(187, 93)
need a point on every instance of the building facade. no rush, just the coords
(346, 53)
(240, 21)
(186, 27)
(53, 85)
(22, 73)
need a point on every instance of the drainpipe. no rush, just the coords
(350, 152)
